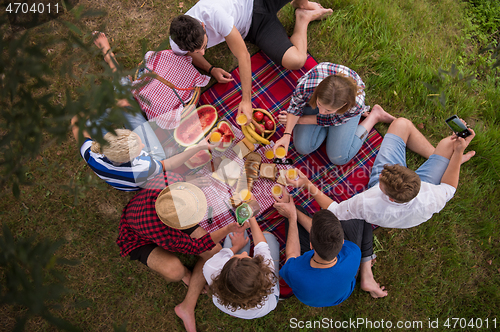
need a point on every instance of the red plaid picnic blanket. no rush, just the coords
(157, 100)
(272, 89)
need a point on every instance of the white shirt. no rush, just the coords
(219, 17)
(214, 266)
(375, 207)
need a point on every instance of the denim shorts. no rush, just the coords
(393, 152)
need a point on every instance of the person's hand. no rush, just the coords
(285, 205)
(283, 141)
(460, 143)
(282, 117)
(221, 75)
(205, 144)
(284, 198)
(237, 228)
(247, 109)
(301, 182)
(238, 240)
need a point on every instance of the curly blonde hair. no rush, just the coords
(337, 91)
(243, 283)
(121, 148)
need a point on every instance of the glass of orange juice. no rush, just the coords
(241, 119)
(280, 152)
(269, 154)
(215, 137)
(292, 174)
(245, 194)
(277, 190)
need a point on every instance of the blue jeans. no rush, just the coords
(393, 151)
(342, 142)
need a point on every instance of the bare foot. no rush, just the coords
(373, 288)
(313, 15)
(102, 42)
(307, 6)
(187, 318)
(205, 289)
(381, 115)
(467, 156)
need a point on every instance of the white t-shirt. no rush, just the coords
(219, 17)
(214, 266)
(375, 207)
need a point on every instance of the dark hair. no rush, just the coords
(243, 283)
(327, 235)
(337, 91)
(187, 32)
(400, 183)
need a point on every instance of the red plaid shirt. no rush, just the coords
(140, 225)
(164, 106)
(307, 83)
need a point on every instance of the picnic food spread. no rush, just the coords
(239, 176)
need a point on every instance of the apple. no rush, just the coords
(258, 116)
(269, 125)
(266, 118)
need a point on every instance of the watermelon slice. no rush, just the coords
(199, 159)
(225, 142)
(196, 125)
(225, 129)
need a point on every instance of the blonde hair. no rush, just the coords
(121, 148)
(337, 91)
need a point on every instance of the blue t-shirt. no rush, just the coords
(323, 287)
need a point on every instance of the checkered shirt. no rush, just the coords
(305, 88)
(157, 100)
(140, 225)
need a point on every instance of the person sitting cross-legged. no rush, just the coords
(327, 105)
(161, 220)
(321, 261)
(243, 286)
(398, 196)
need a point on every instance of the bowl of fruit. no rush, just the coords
(263, 122)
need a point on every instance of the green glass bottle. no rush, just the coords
(246, 211)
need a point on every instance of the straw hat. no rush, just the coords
(181, 205)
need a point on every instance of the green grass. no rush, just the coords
(439, 269)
